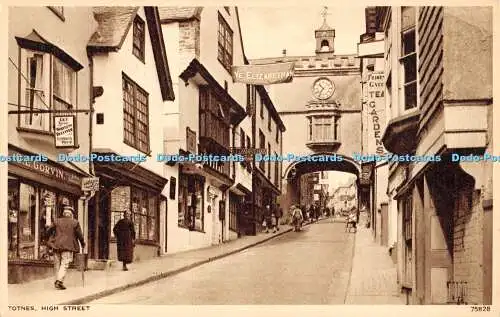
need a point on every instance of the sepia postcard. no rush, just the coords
(281, 158)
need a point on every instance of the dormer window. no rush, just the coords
(139, 38)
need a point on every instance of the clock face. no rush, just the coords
(323, 88)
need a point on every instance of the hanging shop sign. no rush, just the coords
(64, 131)
(190, 140)
(248, 153)
(366, 173)
(265, 74)
(90, 184)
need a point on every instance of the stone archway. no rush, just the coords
(292, 172)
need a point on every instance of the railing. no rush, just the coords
(457, 292)
(221, 167)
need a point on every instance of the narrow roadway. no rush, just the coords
(307, 267)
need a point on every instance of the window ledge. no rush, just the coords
(35, 131)
(148, 154)
(44, 137)
(190, 229)
(321, 144)
(197, 230)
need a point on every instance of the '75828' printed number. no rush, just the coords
(480, 308)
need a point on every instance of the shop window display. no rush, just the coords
(32, 209)
(144, 207)
(191, 202)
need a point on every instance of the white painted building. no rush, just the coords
(206, 117)
(129, 62)
(47, 71)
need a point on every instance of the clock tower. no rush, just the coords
(325, 37)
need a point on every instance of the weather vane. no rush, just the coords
(325, 13)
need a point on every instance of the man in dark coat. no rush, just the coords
(124, 231)
(65, 233)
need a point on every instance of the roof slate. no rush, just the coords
(114, 23)
(179, 13)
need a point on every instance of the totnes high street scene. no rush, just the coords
(314, 155)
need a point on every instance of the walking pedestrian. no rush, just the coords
(297, 217)
(65, 233)
(311, 213)
(124, 231)
(268, 218)
(278, 214)
(273, 222)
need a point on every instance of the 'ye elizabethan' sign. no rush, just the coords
(64, 131)
(265, 74)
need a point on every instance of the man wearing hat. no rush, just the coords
(65, 235)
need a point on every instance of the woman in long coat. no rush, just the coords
(125, 240)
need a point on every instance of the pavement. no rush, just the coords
(374, 274)
(99, 284)
(322, 264)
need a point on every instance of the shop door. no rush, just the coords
(103, 226)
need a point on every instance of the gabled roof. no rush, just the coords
(113, 26)
(177, 14)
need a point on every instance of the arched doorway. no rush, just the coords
(317, 162)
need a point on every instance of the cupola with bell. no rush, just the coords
(325, 37)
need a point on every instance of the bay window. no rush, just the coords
(39, 78)
(47, 79)
(323, 128)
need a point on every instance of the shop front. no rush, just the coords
(126, 187)
(240, 199)
(266, 194)
(201, 207)
(37, 192)
(191, 202)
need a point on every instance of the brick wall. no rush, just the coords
(467, 244)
